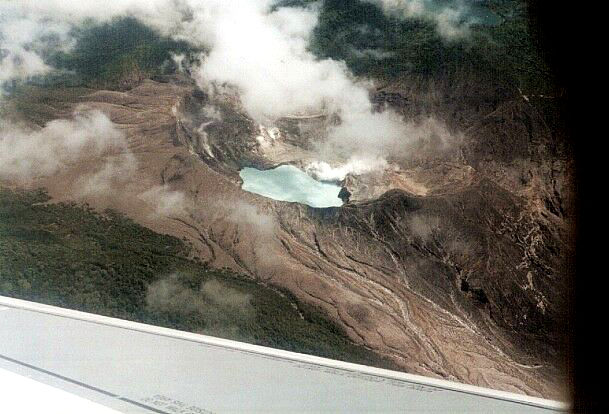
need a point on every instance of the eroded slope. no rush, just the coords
(462, 280)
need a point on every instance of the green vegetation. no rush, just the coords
(377, 45)
(501, 51)
(118, 53)
(69, 255)
(39, 104)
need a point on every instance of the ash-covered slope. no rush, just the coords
(465, 282)
(449, 256)
(485, 247)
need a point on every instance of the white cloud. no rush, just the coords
(115, 172)
(26, 154)
(451, 20)
(166, 202)
(259, 51)
(174, 295)
(22, 39)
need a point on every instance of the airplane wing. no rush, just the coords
(63, 360)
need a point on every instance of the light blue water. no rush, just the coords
(288, 183)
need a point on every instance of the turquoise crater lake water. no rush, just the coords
(288, 183)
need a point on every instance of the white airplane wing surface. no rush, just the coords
(63, 360)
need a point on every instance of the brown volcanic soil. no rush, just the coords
(463, 280)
